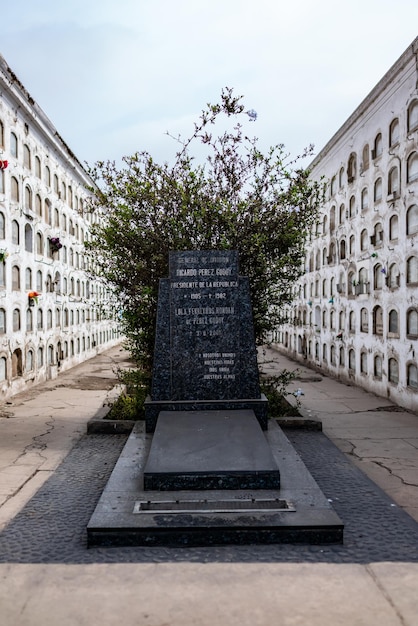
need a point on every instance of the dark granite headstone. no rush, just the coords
(205, 351)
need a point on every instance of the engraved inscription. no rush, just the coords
(205, 328)
(206, 348)
(218, 365)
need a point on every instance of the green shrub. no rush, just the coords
(275, 388)
(130, 404)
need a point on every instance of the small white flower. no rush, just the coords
(252, 115)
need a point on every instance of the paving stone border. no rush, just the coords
(52, 526)
(105, 426)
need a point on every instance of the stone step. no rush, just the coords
(209, 450)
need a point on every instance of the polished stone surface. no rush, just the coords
(205, 347)
(119, 519)
(210, 450)
(258, 405)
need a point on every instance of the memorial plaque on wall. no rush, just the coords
(204, 330)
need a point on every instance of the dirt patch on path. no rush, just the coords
(89, 383)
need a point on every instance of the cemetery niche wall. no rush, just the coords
(205, 353)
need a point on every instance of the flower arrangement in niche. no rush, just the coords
(55, 244)
(3, 255)
(33, 297)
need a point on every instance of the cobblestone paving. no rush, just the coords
(52, 527)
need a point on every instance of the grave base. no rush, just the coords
(127, 515)
(209, 450)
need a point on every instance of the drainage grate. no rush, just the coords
(213, 506)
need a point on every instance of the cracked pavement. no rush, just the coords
(45, 426)
(379, 437)
(41, 425)
(38, 427)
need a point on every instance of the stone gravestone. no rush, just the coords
(205, 355)
(209, 474)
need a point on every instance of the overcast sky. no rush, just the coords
(114, 76)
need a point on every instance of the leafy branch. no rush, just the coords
(262, 205)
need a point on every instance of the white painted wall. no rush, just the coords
(84, 317)
(309, 334)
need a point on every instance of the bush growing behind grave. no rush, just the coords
(276, 390)
(130, 404)
(231, 197)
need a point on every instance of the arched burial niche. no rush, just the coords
(17, 368)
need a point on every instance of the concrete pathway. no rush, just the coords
(380, 438)
(199, 594)
(40, 427)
